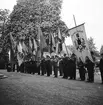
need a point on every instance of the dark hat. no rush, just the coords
(64, 55)
(56, 56)
(47, 56)
(101, 53)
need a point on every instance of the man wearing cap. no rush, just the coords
(65, 67)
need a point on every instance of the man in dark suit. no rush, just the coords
(81, 68)
(43, 71)
(73, 67)
(56, 66)
(65, 67)
(48, 65)
(8, 66)
(90, 69)
(101, 67)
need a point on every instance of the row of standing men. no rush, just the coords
(65, 67)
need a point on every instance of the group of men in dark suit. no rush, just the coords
(69, 67)
(60, 66)
(87, 67)
(65, 66)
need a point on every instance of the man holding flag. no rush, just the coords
(82, 51)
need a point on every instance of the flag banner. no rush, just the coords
(19, 47)
(57, 48)
(13, 42)
(38, 54)
(19, 58)
(59, 42)
(30, 44)
(24, 48)
(53, 43)
(60, 47)
(34, 47)
(80, 42)
(55, 37)
(12, 49)
(39, 34)
(34, 52)
(59, 35)
(12, 39)
(41, 40)
(12, 56)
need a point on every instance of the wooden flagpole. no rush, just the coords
(74, 20)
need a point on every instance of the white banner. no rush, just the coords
(79, 39)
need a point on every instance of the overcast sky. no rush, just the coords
(88, 11)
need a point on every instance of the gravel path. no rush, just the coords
(27, 89)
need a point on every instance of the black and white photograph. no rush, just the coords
(51, 52)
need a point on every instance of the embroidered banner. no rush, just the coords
(80, 42)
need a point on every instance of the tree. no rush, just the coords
(4, 16)
(3, 19)
(29, 13)
(92, 47)
(91, 44)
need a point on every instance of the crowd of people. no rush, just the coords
(65, 66)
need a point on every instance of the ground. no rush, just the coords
(27, 89)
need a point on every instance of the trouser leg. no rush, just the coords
(102, 76)
(55, 71)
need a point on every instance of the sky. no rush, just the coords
(89, 12)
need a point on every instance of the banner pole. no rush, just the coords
(76, 28)
(74, 20)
